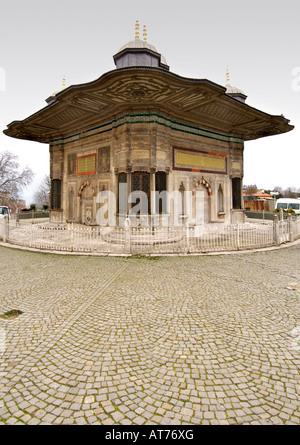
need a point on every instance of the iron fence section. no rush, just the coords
(152, 240)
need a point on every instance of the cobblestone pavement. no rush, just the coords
(131, 341)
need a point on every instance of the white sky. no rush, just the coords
(43, 40)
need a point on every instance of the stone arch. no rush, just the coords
(207, 199)
(87, 204)
(206, 184)
(83, 186)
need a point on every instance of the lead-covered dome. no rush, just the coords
(137, 43)
(139, 53)
(235, 92)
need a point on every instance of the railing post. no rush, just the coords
(238, 237)
(5, 228)
(276, 236)
(291, 228)
(297, 227)
(281, 214)
(187, 237)
(127, 236)
(72, 237)
(31, 235)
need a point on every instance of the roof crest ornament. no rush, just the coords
(227, 76)
(137, 30)
(145, 33)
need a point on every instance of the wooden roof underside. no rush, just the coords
(197, 102)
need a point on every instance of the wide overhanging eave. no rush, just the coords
(39, 126)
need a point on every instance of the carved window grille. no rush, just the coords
(122, 201)
(141, 182)
(236, 193)
(160, 188)
(56, 194)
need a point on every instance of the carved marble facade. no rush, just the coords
(148, 155)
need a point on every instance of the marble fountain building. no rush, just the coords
(142, 128)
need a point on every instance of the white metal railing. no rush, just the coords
(4, 228)
(234, 237)
(296, 227)
(152, 240)
(283, 231)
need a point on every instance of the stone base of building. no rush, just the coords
(237, 216)
(56, 216)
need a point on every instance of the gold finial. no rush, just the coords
(227, 76)
(145, 33)
(137, 30)
(64, 82)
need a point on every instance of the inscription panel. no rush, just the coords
(199, 161)
(86, 165)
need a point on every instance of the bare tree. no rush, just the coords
(290, 192)
(251, 190)
(13, 180)
(42, 195)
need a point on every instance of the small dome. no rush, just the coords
(139, 53)
(235, 92)
(230, 89)
(138, 44)
(52, 98)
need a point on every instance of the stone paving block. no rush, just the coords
(165, 341)
(34, 421)
(68, 421)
